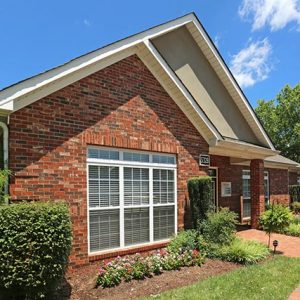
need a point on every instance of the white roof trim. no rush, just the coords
(20, 89)
(21, 94)
(230, 77)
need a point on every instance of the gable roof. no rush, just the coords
(32, 89)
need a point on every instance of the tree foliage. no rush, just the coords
(281, 119)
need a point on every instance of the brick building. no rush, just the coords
(117, 133)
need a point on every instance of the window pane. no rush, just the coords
(163, 186)
(136, 222)
(136, 186)
(103, 186)
(164, 222)
(246, 188)
(103, 154)
(134, 156)
(164, 159)
(104, 229)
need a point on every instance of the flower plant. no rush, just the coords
(139, 267)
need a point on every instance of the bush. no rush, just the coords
(294, 191)
(276, 219)
(296, 220)
(242, 251)
(219, 227)
(4, 176)
(295, 206)
(183, 241)
(35, 242)
(139, 267)
(200, 196)
(293, 229)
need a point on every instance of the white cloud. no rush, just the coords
(274, 13)
(252, 64)
(86, 22)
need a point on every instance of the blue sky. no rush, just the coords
(259, 39)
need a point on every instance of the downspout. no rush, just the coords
(5, 148)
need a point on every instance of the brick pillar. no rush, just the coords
(257, 191)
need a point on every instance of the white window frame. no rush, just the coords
(131, 164)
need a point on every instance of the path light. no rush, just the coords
(275, 244)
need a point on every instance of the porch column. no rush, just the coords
(257, 191)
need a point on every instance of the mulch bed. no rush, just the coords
(82, 284)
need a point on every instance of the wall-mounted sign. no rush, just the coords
(226, 189)
(204, 160)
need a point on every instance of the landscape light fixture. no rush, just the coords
(275, 244)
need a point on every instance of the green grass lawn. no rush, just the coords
(272, 280)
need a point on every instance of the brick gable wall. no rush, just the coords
(120, 106)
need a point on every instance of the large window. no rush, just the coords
(131, 198)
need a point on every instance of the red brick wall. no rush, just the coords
(229, 173)
(120, 106)
(233, 173)
(279, 181)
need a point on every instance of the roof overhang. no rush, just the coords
(275, 162)
(28, 91)
(240, 150)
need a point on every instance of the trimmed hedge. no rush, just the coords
(200, 196)
(294, 191)
(35, 242)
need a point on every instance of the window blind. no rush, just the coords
(163, 222)
(136, 225)
(104, 229)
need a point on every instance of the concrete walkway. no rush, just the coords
(288, 245)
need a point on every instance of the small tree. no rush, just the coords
(200, 193)
(275, 219)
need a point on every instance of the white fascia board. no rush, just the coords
(182, 89)
(240, 150)
(230, 77)
(17, 91)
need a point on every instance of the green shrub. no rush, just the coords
(35, 242)
(276, 219)
(200, 197)
(295, 206)
(294, 191)
(4, 176)
(242, 251)
(296, 220)
(220, 227)
(293, 230)
(184, 240)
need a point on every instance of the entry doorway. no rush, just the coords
(213, 174)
